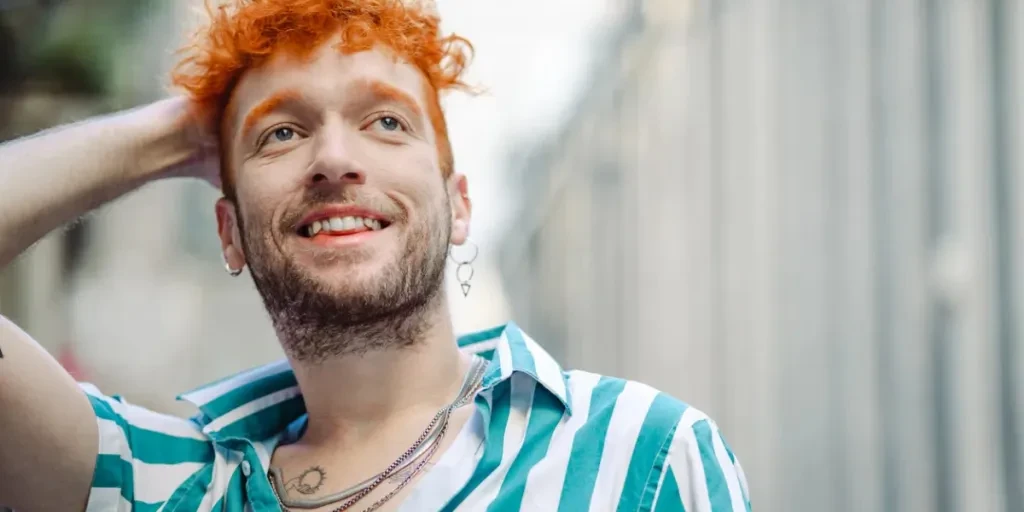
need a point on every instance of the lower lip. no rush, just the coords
(336, 240)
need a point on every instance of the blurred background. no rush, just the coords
(803, 217)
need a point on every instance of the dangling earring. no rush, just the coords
(464, 268)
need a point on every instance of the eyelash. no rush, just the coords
(262, 141)
(386, 113)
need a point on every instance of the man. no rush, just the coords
(321, 121)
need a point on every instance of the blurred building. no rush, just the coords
(805, 219)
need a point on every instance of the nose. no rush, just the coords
(335, 161)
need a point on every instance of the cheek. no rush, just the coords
(274, 174)
(414, 178)
(429, 201)
(263, 185)
(257, 214)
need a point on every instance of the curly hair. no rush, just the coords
(243, 34)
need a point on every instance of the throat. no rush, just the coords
(374, 469)
(405, 372)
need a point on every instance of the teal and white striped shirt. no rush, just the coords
(543, 440)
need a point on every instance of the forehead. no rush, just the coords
(326, 75)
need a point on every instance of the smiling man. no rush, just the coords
(321, 122)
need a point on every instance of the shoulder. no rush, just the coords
(700, 471)
(143, 455)
(636, 423)
(636, 406)
(144, 427)
(648, 437)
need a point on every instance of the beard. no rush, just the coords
(316, 321)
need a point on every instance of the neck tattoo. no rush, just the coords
(309, 482)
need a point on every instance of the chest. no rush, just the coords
(535, 461)
(420, 475)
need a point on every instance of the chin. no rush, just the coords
(320, 261)
(349, 275)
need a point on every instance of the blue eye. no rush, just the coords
(283, 134)
(389, 123)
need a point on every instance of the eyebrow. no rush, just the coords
(267, 106)
(381, 91)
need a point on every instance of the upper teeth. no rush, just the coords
(342, 224)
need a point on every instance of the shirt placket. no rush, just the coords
(259, 495)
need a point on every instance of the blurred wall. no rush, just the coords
(804, 219)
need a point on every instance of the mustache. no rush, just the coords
(322, 198)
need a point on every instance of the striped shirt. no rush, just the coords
(543, 439)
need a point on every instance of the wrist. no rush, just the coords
(169, 140)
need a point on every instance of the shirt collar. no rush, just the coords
(260, 403)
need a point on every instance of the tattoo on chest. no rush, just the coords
(309, 482)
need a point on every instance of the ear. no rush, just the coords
(230, 237)
(462, 207)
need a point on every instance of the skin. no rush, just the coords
(99, 160)
(352, 131)
(392, 341)
(336, 131)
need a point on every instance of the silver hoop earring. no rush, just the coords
(464, 268)
(231, 271)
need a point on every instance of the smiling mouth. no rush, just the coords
(341, 226)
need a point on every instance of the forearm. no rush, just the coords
(52, 178)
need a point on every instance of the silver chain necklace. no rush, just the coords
(423, 449)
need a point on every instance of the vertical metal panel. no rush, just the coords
(882, 277)
(899, 84)
(1001, 82)
(804, 216)
(630, 248)
(661, 257)
(696, 229)
(1012, 15)
(763, 349)
(941, 305)
(978, 475)
(821, 221)
(856, 325)
(734, 215)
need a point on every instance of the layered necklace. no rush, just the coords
(416, 457)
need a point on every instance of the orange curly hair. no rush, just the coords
(245, 34)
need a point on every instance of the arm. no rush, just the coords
(701, 474)
(48, 430)
(54, 177)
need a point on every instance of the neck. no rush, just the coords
(360, 391)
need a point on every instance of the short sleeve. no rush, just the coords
(143, 456)
(701, 472)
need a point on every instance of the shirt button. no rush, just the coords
(246, 468)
